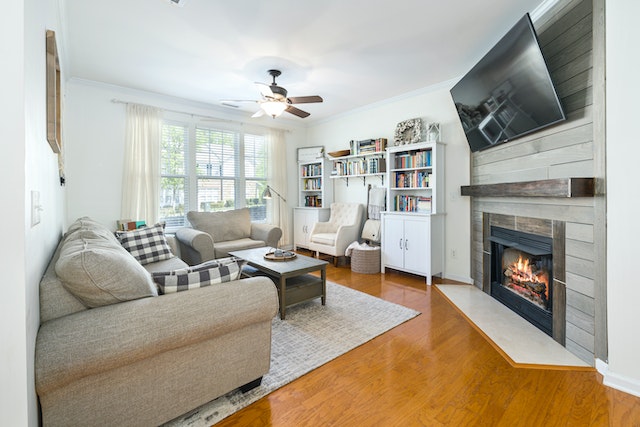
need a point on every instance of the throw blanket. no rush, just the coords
(377, 196)
(361, 246)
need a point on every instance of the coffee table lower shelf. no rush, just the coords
(298, 289)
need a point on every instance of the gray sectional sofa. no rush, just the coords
(214, 234)
(137, 358)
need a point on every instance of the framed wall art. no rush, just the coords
(408, 132)
(54, 111)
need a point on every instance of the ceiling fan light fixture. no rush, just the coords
(274, 108)
(274, 100)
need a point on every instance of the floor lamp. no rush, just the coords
(266, 194)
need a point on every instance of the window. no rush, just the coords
(209, 170)
(255, 170)
(216, 169)
(174, 181)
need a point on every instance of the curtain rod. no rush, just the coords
(217, 119)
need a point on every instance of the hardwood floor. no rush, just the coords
(434, 370)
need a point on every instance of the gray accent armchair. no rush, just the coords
(215, 234)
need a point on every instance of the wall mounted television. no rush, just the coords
(509, 92)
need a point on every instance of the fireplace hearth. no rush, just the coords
(521, 275)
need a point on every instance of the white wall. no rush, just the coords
(379, 121)
(95, 143)
(623, 227)
(27, 164)
(13, 353)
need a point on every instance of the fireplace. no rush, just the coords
(523, 267)
(522, 274)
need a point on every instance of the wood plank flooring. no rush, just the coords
(434, 370)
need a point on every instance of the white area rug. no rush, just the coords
(311, 336)
(519, 339)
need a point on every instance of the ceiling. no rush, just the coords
(352, 53)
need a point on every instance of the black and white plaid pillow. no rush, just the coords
(146, 244)
(181, 280)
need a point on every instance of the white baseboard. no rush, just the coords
(619, 382)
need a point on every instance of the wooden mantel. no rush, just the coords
(561, 187)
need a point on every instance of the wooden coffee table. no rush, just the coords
(291, 277)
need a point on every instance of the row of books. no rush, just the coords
(359, 166)
(404, 203)
(127, 224)
(313, 201)
(311, 170)
(371, 146)
(416, 179)
(312, 183)
(418, 159)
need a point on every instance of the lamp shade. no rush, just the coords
(266, 194)
(273, 108)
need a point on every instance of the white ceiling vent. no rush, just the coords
(180, 3)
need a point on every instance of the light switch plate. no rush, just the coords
(35, 208)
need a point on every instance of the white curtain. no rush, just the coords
(141, 179)
(277, 209)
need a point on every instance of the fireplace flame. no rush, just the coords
(522, 272)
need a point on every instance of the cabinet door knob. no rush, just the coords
(406, 244)
(400, 243)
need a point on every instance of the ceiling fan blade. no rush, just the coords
(230, 101)
(258, 113)
(265, 90)
(233, 102)
(304, 99)
(296, 111)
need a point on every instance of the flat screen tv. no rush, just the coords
(509, 93)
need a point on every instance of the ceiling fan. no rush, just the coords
(275, 101)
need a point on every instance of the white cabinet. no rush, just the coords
(413, 243)
(303, 220)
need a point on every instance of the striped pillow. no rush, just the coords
(205, 274)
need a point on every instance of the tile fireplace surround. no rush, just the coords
(542, 227)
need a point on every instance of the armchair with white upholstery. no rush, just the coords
(343, 228)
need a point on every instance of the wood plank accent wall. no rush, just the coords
(572, 149)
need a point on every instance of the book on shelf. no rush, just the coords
(424, 205)
(417, 159)
(312, 184)
(127, 224)
(412, 179)
(365, 146)
(368, 146)
(406, 203)
(359, 166)
(313, 201)
(312, 170)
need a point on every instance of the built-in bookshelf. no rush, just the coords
(313, 184)
(414, 171)
(413, 224)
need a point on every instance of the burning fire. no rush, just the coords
(525, 276)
